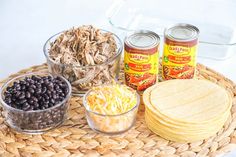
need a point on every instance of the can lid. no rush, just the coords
(182, 32)
(143, 39)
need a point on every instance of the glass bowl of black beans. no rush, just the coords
(36, 102)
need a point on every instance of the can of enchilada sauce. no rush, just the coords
(141, 53)
(180, 52)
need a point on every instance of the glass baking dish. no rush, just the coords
(215, 19)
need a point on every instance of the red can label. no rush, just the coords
(141, 67)
(179, 59)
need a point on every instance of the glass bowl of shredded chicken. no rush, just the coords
(111, 109)
(86, 56)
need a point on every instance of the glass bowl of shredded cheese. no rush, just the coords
(111, 109)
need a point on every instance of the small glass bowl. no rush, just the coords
(111, 124)
(83, 78)
(36, 121)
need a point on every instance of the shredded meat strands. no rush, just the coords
(83, 46)
(80, 47)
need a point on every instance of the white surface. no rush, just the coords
(26, 25)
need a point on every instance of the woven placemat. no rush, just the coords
(75, 138)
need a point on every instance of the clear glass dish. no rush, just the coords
(215, 19)
(36, 121)
(111, 124)
(83, 78)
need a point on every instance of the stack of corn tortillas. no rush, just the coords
(186, 110)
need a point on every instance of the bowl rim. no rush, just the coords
(109, 115)
(118, 51)
(20, 77)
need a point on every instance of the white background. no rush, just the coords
(25, 25)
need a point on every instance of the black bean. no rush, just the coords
(17, 94)
(44, 102)
(61, 98)
(46, 81)
(27, 84)
(7, 93)
(31, 81)
(31, 102)
(36, 106)
(22, 101)
(22, 82)
(14, 91)
(27, 94)
(37, 93)
(27, 79)
(23, 87)
(8, 97)
(49, 92)
(33, 86)
(44, 89)
(50, 104)
(33, 77)
(50, 86)
(15, 84)
(18, 104)
(18, 88)
(59, 91)
(26, 107)
(52, 101)
(36, 78)
(38, 85)
(42, 107)
(31, 107)
(39, 97)
(56, 87)
(66, 91)
(43, 99)
(10, 90)
(64, 86)
(54, 96)
(13, 105)
(31, 90)
(45, 105)
(8, 101)
(13, 98)
(40, 81)
(21, 96)
(54, 92)
(34, 99)
(46, 97)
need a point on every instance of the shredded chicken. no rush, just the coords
(81, 47)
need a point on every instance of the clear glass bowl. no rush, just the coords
(111, 124)
(83, 78)
(36, 121)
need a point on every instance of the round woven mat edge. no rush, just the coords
(75, 138)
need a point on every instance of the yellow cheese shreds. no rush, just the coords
(111, 99)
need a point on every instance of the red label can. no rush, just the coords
(141, 59)
(180, 52)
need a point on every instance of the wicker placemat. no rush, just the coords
(75, 138)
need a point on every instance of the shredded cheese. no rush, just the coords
(111, 99)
